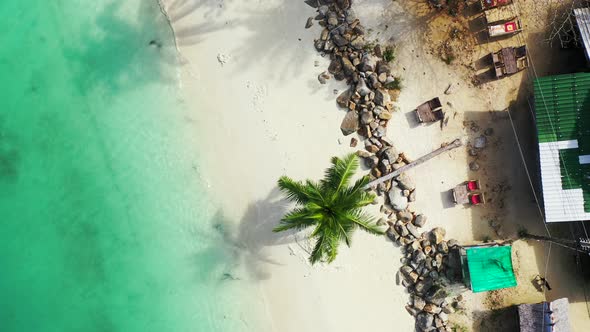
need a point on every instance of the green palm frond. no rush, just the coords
(294, 190)
(339, 174)
(298, 218)
(363, 221)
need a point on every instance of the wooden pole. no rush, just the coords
(454, 144)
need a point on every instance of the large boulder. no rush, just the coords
(350, 123)
(397, 200)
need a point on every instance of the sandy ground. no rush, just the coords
(250, 79)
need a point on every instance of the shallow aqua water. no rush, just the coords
(105, 223)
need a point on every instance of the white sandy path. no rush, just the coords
(260, 112)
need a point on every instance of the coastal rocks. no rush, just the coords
(309, 23)
(405, 182)
(420, 220)
(350, 123)
(344, 98)
(424, 321)
(353, 142)
(323, 77)
(438, 234)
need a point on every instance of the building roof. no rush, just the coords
(490, 268)
(562, 111)
(545, 316)
(583, 20)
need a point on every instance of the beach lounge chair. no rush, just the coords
(476, 199)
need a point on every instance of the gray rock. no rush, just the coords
(366, 118)
(363, 154)
(344, 98)
(364, 66)
(424, 321)
(420, 220)
(489, 131)
(437, 235)
(411, 310)
(323, 77)
(347, 66)
(332, 19)
(319, 45)
(405, 182)
(353, 142)
(419, 302)
(391, 154)
(423, 286)
(397, 200)
(448, 309)
(309, 23)
(413, 230)
(452, 243)
(392, 234)
(402, 230)
(339, 40)
(362, 88)
(418, 256)
(405, 216)
(412, 197)
(350, 123)
(443, 316)
(382, 97)
(431, 308)
(323, 10)
(380, 131)
(371, 161)
(474, 166)
(443, 247)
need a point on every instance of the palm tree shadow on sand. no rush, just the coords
(241, 251)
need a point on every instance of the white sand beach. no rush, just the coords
(250, 81)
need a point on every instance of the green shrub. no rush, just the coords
(395, 85)
(389, 54)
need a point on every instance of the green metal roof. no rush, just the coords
(562, 107)
(562, 114)
(490, 268)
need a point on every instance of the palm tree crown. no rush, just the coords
(331, 206)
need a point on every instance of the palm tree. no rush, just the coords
(331, 206)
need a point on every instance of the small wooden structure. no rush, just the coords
(489, 4)
(430, 111)
(467, 193)
(510, 60)
(504, 27)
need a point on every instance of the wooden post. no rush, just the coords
(454, 144)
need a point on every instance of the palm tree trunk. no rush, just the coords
(454, 144)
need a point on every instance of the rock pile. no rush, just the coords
(367, 100)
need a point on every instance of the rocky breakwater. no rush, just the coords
(371, 85)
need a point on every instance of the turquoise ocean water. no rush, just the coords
(105, 224)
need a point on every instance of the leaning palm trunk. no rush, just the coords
(330, 206)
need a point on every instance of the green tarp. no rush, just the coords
(490, 268)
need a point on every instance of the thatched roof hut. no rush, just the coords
(544, 316)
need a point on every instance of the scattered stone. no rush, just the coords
(344, 98)
(452, 243)
(371, 161)
(363, 154)
(437, 235)
(362, 88)
(309, 23)
(366, 118)
(323, 77)
(323, 10)
(423, 286)
(474, 166)
(406, 193)
(419, 302)
(390, 153)
(392, 234)
(473, 152)
(489, 131)
(431, 308)
(405, 216)
(397, 201)
(339, 40)
(382, 98)
(412, 197)
(420, 220)
(443, 247)
(405, 182)
(380, 131)
(413, 230)
(350, 123)
(353, 142)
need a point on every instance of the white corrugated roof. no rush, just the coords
(583, 19)
(560, 205)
